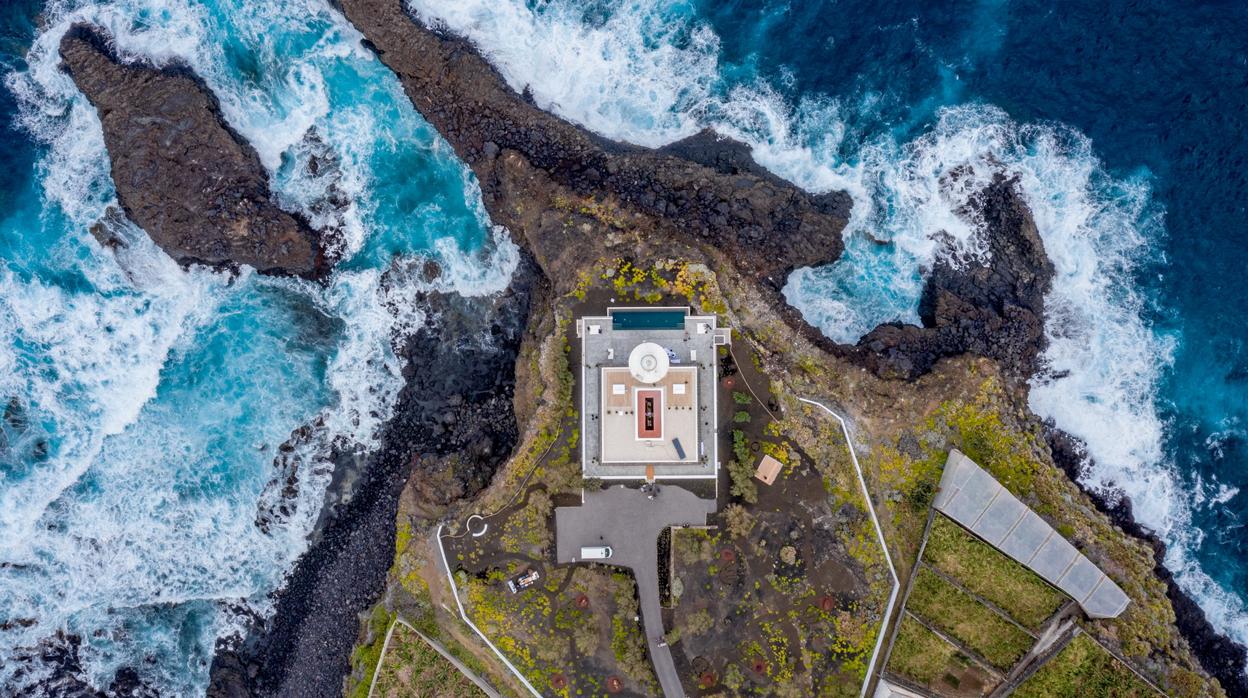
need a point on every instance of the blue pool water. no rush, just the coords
(648, 319)
(153, 398)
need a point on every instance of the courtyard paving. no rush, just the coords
(630, 521)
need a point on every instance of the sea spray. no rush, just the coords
(1103, 360)
(155, 397)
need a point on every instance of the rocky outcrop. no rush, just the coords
(453, 426)
(708, 192)
(704, 191)
(181, 173)
(993, 307)
(1223, 658)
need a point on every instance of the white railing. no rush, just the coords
(879, 532)
(464, 615)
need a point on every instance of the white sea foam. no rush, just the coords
(625, 78)
(135, 532)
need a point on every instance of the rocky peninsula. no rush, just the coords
(578, 203)
(181, 173)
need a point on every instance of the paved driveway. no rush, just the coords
(630, 522)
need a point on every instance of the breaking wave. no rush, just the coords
(146, 403)
(649, 72)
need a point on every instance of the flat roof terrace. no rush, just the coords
(631, 435)
(687, 413)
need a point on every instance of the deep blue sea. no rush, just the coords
(147, 401)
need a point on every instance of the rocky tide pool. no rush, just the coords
(147, 407)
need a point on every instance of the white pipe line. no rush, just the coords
(464, 615)
(879, 532)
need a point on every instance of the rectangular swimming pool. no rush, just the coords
(657, 319)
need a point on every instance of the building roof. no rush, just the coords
(648, 387)
(768, 469)
(644, 422)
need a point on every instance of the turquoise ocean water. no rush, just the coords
(148, 401)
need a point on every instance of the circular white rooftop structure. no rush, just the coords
(648, 362)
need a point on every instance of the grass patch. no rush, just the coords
(1086, 670)
(973, 624)
(413, 668)
(365, 656)
(920, 654)
(991, 574)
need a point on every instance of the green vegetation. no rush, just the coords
(699, 622)
(741, 417)
(627, 642)
(988, 441)
(957, 613)
(1085, 670)
(365, 656)
(989, 573)
(740, 446)
(413, 668)
(920, 654)
(742, 476)
(738, 521)
(741, 398)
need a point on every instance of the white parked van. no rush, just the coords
(595, 552)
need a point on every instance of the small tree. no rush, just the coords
(742, 482)
(921, 495)
(738, 521)
(740, 446)
(585, 635)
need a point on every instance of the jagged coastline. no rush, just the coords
(181, 173)
(995, 310)
(701, 199)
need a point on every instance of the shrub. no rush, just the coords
(738, 521)
(920, 496)
(741, 398)
(741, 417)
(742, 477)
(585, 636)
(699, 623)
(788, 555)
(740, 446)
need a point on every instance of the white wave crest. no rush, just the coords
(137, 530)
(623, 75)
(649, 73)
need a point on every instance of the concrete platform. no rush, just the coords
(630, 522)
(974, 499)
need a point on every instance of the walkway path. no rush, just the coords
(630, 522)
(872, 667)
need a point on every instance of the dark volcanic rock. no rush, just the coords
(1224, 659)
(705, 190)
(54, 668)
(181, 173)
(993, 309)
(455, 408)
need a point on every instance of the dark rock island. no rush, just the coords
(181, 173)
(581, 205)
